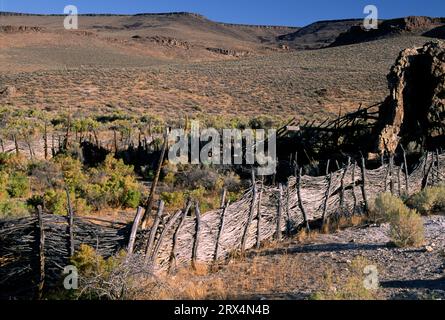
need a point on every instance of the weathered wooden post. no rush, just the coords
(134, 230)
(41, 281)
(153, 232)
(300, 200)
(154, 184)
(223, 197)
(405, 165)
(260, 196)
(386, 174)
(364, 194)
(399, 188)
(288, 218)
(326, 200)
(16, 144)
(53, 146)
(70, 222)
(220, 230)
(391, 175)
(167, 227)
(251, 213)
(279, 213)
(342, 184)
(198, 229)
(354, 196)
(176, 235)
(427, 173)
(45, 141)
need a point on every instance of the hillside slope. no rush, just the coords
(419, 26)
(170, 36)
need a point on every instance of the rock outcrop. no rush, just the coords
(165, 41)
(414, 112)
(229, 52)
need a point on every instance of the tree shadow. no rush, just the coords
(325, 247)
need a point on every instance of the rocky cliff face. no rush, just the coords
(415, 109)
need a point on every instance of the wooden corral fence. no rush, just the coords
(35, 250)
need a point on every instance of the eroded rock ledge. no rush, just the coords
(414, 112)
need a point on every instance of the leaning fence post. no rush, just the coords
(288, 217)
(70, 222)
(223, 197)
(326, 200)
(260, 195)
(196, 242)
(399, 188)
(153, 231)
(176, 235)
(342, 184)
(279, 212)
(167, 227)
(354, 196)
(134, 230)
(405, 164)
(300, 200)
(427, 173)
(251, 213)
(391, 176)
(365, 197)
(220, 229)
(41, 282)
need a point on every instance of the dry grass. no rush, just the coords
(304, 237)
(343, 222)
(238, 279)
(351, 287)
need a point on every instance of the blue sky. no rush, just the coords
(271, 12)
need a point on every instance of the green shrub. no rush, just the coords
(18, 185)
(56, 203)
(72, 170)
(131, 198)
(173, 200)
(406, 229)
(387, 205)
(429, 200)
(3, 185)
(95, 196)
(406, 225)
(114, 185)
(13, 208)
